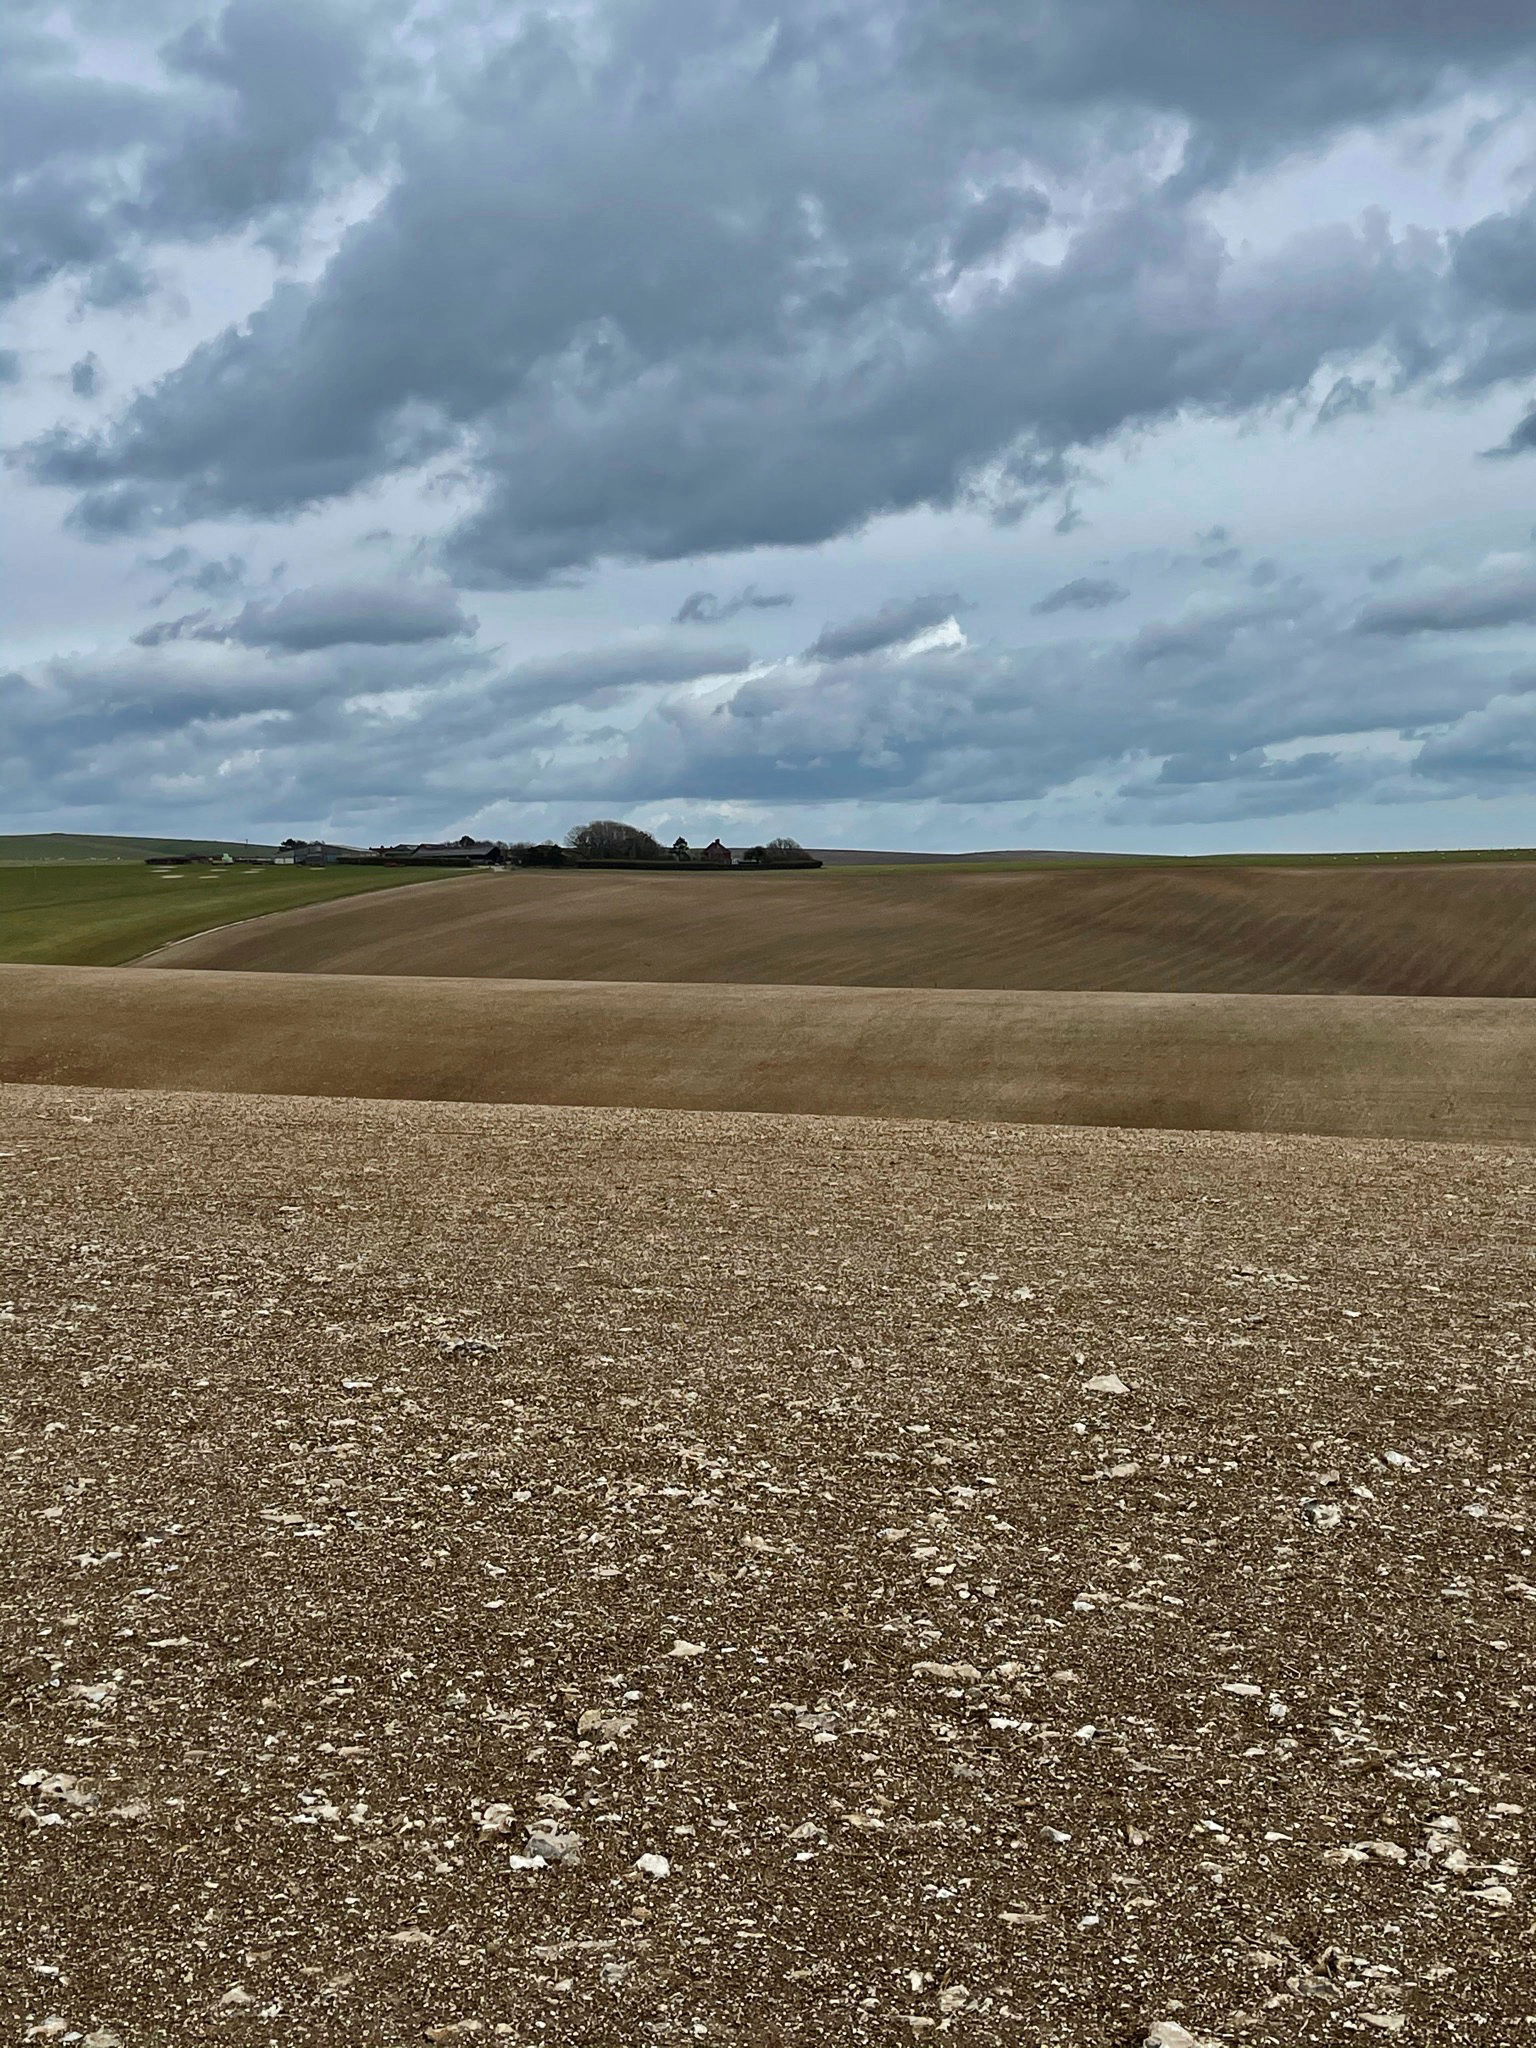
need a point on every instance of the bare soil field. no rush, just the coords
(608, 1577)
(1382, 1066)
(1446, 930)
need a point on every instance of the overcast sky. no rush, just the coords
(932, 423)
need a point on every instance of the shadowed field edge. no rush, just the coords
(1362, 1066)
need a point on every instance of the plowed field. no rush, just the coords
(597, 1577)
(1365, 1066)
(1430, 930)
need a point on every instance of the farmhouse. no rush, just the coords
(455, 853)
(308, 853)
(718, 855)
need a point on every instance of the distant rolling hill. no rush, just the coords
(93, 846)
(1397, 929)
(863, 856)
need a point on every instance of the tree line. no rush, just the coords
(612, 839)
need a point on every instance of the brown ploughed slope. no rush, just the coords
(1431, 930)
(1368, 1066)
(415, 1515)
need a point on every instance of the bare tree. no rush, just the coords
(785, 849)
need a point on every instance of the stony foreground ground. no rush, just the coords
(601, 1576)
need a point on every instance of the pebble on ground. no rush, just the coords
(601, 1576)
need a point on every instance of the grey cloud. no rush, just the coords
(1492, 748)
(1199, 789)
(445, 726)
(10, 366)
(703, 608)
(1346, 396)
(280, 73)
(1250, 80)
(990, 723)
(190, 626)
(698, 295)
(209, 576)
(1215, 550)
(1270, 785)
(1495, 261)
(984, 227)
(601, 676)
(1507, 598)
(193, 721)
(1082, 594)
(892, 626)
(1385, 570)
(1207, 634)
(1520, 440)
(1209, 765)
(85, 377)
(85, 706)
(305, 620)
(582, 455)
(250, 103)
(1494, 272)
(375, 616)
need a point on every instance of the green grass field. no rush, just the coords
(80, 915)
(27, 849)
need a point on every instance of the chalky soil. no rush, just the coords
(602, 1576)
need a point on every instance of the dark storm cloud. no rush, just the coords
(1082, 594)
(1504, 598)
(892, 626)
(719, 278)
(703, 608)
